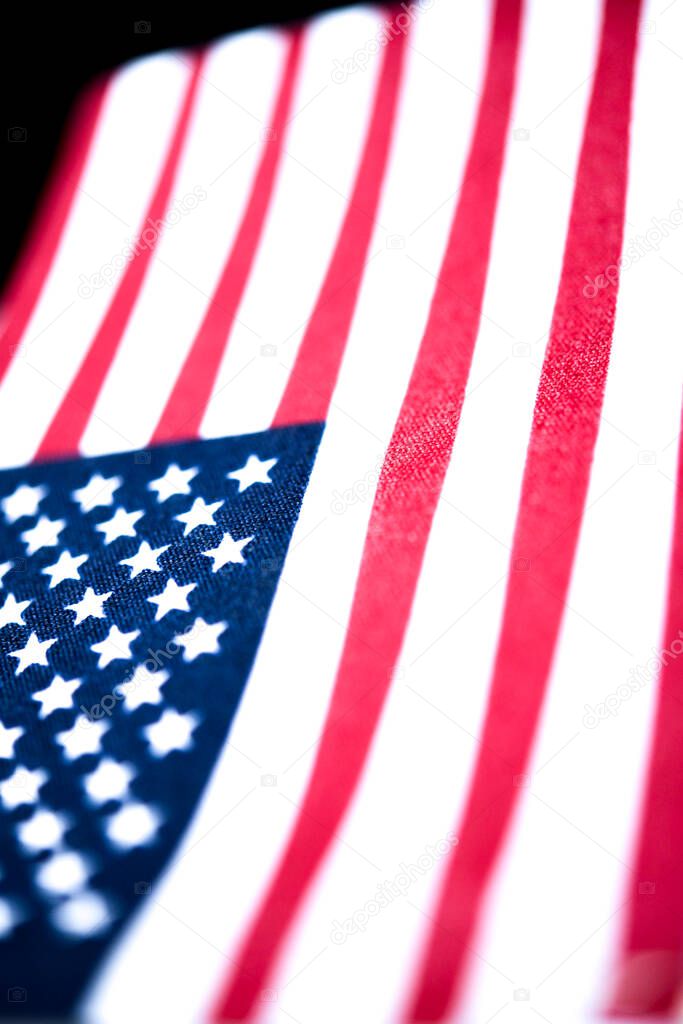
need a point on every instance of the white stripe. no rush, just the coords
(552, 915)
(389, 324)
(322, 149)
(129, 146)
(222, 152)
(241, 825)
(415, 783)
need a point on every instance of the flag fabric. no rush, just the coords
(144, 656)
(341, 529)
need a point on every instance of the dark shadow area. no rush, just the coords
(51, 53)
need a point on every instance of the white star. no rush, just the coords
(12, 610)
(174, 481)
(135, 824)
(84, 737)
(228, 550)
(65, 568)
(122, 524)
(23, 502)
(89, 605)
(4, 569)
(173, 731)
(146, 558)
(171, 598)
(201, 638)
(59, 694)
(115, 645)
(8, 737)
(109, 781)
(200, 514)
(9, 917)
(43, 535)
(34, 653)
(86, 913)
(143, 687)
(254, 471)
(22, 787)
(98, 491)
(43, 831)
(64, 873)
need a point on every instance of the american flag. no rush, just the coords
(341, 529)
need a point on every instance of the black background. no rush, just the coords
(51, 53)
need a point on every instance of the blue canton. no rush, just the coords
(134, 590)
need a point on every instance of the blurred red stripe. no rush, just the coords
(651, 967)
(64, 434)
(186, 405)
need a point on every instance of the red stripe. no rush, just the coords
(556, 477)
(187, 403)
(37, 255)
(651, 970)
(64, 434)
(313, 377)
(402, 513)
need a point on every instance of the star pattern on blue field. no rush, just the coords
(133, 595)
